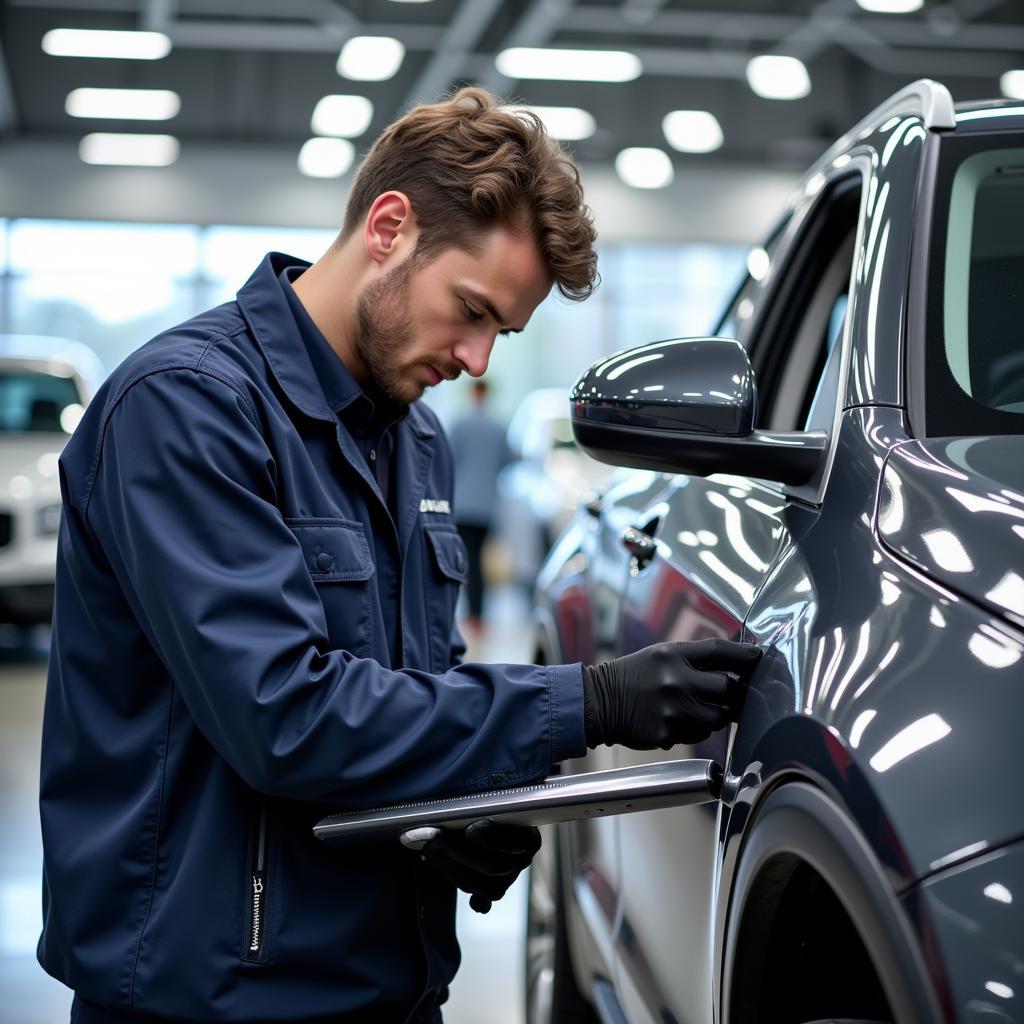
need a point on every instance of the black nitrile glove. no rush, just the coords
(484, 860)
(667, 693)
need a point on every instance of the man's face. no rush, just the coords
(421, 324)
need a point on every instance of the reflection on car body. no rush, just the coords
(860, 513)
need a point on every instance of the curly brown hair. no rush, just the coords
(469, 163)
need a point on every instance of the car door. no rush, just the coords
(593, 598)
(715, 541)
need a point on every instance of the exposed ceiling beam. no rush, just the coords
(537, 27)
(640, 11)
(448, 62)
(157, 14)
(8, 108)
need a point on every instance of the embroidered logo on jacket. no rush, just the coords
(433, 505)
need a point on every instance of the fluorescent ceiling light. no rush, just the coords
(370, 58)
(87, 42)
(778, 78)
(137, 150)
(568, 65)
(692, 131)
(644, 167)
(326, 158)
(891, 6)
(123, 104)
(1012, 84)
(564, 122)
(344, 116)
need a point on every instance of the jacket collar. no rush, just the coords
(266, 310)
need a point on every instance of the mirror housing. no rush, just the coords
(686, 405)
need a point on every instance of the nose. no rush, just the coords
(474, 352)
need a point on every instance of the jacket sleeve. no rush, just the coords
(183, 506)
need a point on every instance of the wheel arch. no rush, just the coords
(796, 819)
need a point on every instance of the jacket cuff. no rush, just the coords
(565, 710)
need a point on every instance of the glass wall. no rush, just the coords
(115, 285)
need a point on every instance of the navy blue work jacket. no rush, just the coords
(221, 677)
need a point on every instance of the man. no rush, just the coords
(256, 583)
(480, 451)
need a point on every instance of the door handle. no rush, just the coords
(642, 546)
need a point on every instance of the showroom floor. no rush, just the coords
(489, 983)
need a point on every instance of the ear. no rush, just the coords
(390, 230)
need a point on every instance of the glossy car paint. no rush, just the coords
(892, 678)
(973, 914)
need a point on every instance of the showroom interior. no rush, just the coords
(152, 151)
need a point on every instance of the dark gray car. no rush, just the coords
(843, 484)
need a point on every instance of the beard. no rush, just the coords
(384, 331)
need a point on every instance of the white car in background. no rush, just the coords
(45, 384)
(540, 491)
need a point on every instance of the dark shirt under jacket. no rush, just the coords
(247, 635)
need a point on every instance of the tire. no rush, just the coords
(799, 836)
(552, 996)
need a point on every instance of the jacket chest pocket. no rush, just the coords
(337, 555)
(449, 564)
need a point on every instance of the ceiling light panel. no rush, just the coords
(1011, 83)
(891, 6)
(568, 65)
(567, 123)
(326, 158)
(123, 104)
(370, 58)
(692, 131)
(84, 42)
(344, 116)
(778, 78)
(644, 167)
(129, 150)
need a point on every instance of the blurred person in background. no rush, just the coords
(480, 451)
(257, 572)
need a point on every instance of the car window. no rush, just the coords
(983, 294)
(797, 381)
(37, 402)
(973, 346)
(738, 317)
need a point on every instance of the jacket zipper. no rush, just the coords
(257, 889)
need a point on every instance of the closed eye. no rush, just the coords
(471, 313)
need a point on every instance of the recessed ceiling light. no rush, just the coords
(135, 150)
(568, 65)
(123, 104)
(1012, 84)
(326, 158)
(87, 42)
(692, 131)
(891, 6)
(344, 116)
(778, 78)
(564, 122)
(370, 58)
(644, 167)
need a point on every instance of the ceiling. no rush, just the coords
(249, 72)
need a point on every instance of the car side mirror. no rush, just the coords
(686, 405)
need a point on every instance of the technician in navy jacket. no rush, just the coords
(256, 583)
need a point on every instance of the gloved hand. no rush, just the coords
(666, 694)
(484, 860)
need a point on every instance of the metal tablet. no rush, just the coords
(559, 798)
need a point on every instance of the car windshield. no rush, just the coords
(978, 273)
(33, 402)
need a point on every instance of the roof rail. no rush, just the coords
(933, 99)
(929, 99)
